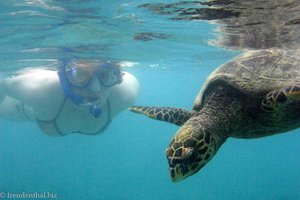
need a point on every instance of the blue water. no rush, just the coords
(128, 160)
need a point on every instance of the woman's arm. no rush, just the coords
(38, 89)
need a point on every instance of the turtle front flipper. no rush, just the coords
(281, 97)
(176, 116)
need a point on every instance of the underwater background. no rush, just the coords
(171, 55)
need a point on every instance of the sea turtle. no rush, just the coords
(254, 95)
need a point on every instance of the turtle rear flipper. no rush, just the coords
(176, 116)
(281, 97)
(293, 92)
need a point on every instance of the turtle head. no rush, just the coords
(190, 149)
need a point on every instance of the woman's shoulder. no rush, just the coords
(124, 95)
(128, 87)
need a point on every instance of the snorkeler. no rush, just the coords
(81, 97)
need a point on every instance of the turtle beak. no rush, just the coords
(178, 171)
(176, 176)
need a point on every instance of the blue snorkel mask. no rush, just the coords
(106, 74)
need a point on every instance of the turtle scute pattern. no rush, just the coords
(256, 73)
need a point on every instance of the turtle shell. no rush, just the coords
(255, 73)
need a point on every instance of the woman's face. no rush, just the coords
(94, 82)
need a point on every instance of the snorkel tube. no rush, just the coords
(66, 86)
(95, 110)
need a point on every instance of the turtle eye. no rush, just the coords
(187, 152)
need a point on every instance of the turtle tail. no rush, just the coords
(176, 116)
